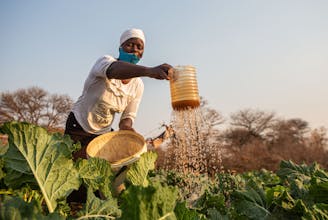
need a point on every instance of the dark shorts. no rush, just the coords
(77, 134)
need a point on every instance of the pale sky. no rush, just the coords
(266, 55)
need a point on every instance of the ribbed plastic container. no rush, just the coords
(184, 88)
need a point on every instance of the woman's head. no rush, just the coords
(132, 42)
(132, 33)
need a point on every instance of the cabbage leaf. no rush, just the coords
(152, 202)
(43, 159)
(97, 174)
(138, 172)
(98, 208)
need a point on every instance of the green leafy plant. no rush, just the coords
(40, 159)
(37, 174)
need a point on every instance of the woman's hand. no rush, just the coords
(162, 71)
(126, 124)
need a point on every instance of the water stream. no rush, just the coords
(191, 151)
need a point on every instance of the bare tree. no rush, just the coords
(255, 122)
(248, 125)
(318, 138)
(236, 137)
(211, 116)
(36, 106)
(292, 130)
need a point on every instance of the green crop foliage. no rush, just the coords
(37, 173)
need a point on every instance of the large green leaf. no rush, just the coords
(249, 203)
(320, 211)
(278, 195)
(97, 174)
(211, 201)
(298, 177)
(138, 172)
(15, 208)
(96, 208)
(155, 202)
(289, 170)
(183, 213)
(40, 158)
(214, 214)
(319, 192)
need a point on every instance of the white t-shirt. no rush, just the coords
(102, 98)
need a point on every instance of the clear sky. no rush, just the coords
(265, 55)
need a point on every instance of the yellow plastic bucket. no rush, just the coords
(184, 88)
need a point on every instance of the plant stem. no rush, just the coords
(95, 216)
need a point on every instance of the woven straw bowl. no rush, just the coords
(119, 148)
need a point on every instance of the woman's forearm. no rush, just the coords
(124, 70)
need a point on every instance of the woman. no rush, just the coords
(112, 86)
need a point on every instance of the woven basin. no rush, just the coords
(119, 148)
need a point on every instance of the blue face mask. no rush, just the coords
(128, 57)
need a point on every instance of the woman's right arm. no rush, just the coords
(124, 70)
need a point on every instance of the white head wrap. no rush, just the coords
(131, 33)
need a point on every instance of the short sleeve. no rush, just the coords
(100, 67)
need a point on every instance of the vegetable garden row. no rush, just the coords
(37, 174)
